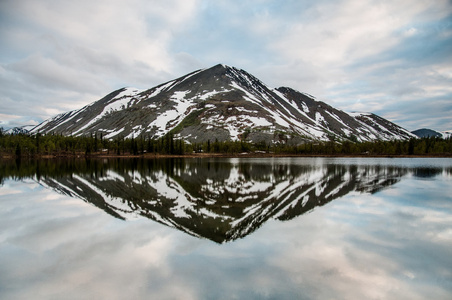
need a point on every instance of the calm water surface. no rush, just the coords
(286, 228)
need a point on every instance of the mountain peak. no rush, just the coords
(221, 66)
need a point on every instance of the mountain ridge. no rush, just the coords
(223, 103)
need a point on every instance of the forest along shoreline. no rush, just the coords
(219, 155)
(52, 146)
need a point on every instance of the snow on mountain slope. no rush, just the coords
(222, 103)
(447, 134)
(381, 127)
(75, 122)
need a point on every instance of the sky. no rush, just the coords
(392, 58)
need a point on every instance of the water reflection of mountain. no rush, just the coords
(426, 172)
(221, 200)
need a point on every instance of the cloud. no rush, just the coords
(338, 51)
(49, 74)
(74, 53)
(368, 49)
(100, 36)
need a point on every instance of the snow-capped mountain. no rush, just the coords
(218, 200)
(20, 130)
(222, 103)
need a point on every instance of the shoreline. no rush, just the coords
(223, 155)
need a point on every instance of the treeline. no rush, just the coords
(23, 145)
(58, 145)
(415, 146)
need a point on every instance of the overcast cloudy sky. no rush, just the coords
(393, 58)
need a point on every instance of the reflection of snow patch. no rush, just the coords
(120, 205)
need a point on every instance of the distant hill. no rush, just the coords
(220, 103)
(21, 129)
(424, 132)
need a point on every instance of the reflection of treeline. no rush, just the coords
(18, 169)
(203, 168)
(26, 168)
(57, 145)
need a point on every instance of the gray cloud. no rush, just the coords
(352, 54)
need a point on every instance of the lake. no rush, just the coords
(217, 228)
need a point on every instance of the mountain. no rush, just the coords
(222, 103)
(20, 130)
(424, 132)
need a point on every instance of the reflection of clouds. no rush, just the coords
(406, 235)
(394, 244)
(52, 253)
(360, 264)
(7, 190)
(323, 264)
(11, 187)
